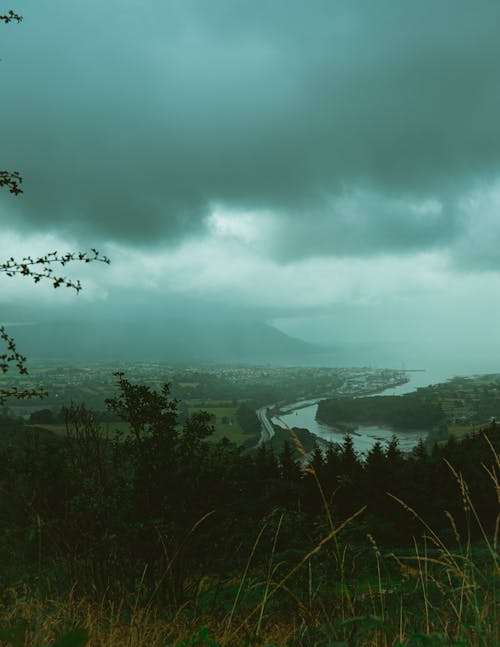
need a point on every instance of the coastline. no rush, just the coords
(302, 415)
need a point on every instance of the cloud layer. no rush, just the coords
(314, 163)
(364, 121)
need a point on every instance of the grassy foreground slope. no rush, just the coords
(167, 538)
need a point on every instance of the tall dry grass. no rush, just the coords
(443, 596)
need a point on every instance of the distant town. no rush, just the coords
(93, 383)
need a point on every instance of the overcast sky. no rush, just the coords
(329, 166)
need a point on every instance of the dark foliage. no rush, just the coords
(163, 506)
(247, 419)
(405, 412)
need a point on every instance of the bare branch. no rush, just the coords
(10, 16)
(38, 269)
(12, 180)
(41, 268)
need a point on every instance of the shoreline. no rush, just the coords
(302, 413)
(325, 433)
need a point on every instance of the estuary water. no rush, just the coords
(364, 437)
(303, 414)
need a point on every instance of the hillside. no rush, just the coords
(172, 340)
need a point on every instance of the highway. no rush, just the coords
(267, 431)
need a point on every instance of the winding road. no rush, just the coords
(267, 431)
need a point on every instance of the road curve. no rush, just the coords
(267, 431)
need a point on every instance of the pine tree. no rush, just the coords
(376, 479)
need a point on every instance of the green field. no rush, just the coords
(230, 431)
(460, 431)
(225, 423)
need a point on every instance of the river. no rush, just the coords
(366, 436)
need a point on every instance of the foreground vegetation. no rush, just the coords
(164, 538)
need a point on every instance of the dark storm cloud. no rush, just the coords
(131, 119)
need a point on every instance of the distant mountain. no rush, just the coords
(171, 340)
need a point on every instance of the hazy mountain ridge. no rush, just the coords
(160, 340)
